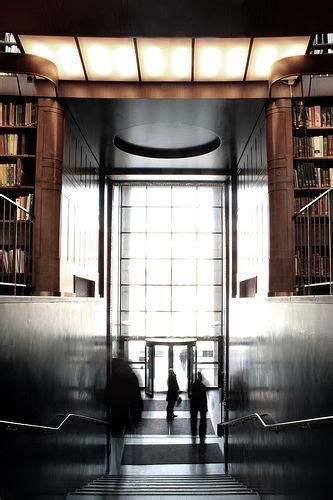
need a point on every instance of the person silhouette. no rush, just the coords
(124, 397)
(198, 404)
(172, 394)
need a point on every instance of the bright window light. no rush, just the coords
(210, 61)
(163, 59)
(266, 51)
(172, 281)
(68, 56)
(41, 50)
(109, 59)
(60, 50)
(99, 59)
(153, 62)
(266, 57)
(236, 61)
(181, 62)
(220, 59)
(125, 61)
(294, 50)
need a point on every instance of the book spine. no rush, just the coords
(317, 116)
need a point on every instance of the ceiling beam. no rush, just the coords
(123, 90)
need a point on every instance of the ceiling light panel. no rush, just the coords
(165, 60)
(109, 59)
(220, 59)
(265, 51)
(60, 50)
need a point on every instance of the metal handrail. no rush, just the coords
(278, 426)
(16, 205)
(312, 202)
(15, 244)
(51, 428)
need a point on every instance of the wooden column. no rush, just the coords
(281, 196)
(49, 151)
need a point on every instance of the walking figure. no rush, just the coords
(172, 394)
(198, 404)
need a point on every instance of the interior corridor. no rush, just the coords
(158, 447)
(160, 459)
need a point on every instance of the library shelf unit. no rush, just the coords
(312, 126)
(18, 140)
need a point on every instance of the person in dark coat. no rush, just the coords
(172, 394)
(198, 404)
(125, 397)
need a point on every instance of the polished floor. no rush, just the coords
(186, 438)
(166, 481)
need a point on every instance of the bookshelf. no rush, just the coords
(18, 129)
(312, 126)
(18, 139)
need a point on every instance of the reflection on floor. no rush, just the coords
(167, 466)
(206, 459)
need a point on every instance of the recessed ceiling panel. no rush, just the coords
(60, 50)
(109, 59)
(167, 140)
(220, 59)
(265, 51)
(165, 59)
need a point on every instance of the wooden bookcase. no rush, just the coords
(18, 130)
(31, 156)
(18, 136)
(312, 126)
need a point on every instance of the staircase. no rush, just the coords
(219, 486)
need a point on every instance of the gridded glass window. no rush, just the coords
(171, 267)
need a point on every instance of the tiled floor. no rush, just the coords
(178, 469)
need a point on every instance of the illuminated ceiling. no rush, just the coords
(164, 59)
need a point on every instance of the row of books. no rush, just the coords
(24, 202)
(13, 144)
(11, 174)
(319, 265)
(7, 261)
(317, 209)
(316, 146)
(312, 116)
(308, 174)
(18, 113)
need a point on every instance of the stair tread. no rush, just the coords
(185, 487)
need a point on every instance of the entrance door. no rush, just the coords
(149, 370)
(180, 356)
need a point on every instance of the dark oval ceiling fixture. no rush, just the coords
(167, 140)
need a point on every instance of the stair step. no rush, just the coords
(164, 487)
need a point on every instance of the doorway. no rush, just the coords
(168, 276)
(161, 355)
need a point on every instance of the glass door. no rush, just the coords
(149, 370)
(191, 365)
(180, 365)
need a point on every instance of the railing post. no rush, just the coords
(15, 244)
(313, 245)
(308, 222)
(330, 235)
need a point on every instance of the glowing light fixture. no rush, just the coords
(220, 59)
(266, 51)
(62, 51)
(109, 58)
(164, 59)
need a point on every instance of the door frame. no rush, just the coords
(190, 343)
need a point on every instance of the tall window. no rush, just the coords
(170, 253)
